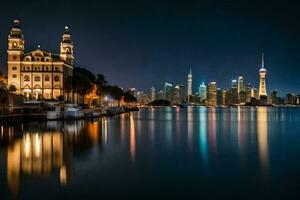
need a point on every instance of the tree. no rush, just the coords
(82, 81)
(114, 91)
(128, 97)
(100, 83)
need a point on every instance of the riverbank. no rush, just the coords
(88, 114)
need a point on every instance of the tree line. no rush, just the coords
(82, 83)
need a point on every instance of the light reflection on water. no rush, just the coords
(217, 148)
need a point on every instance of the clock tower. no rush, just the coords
(15, 52)
(66, 47)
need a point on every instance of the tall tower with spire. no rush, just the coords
(189, 85)
(262, 79)
(15, 52)
(66, 47)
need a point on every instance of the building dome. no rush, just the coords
(262, 70)
(16, 31)
(67, 36)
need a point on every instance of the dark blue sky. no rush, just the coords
(141, 44)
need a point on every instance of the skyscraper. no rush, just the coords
(182, 93)
(234, 91)
(262, 79)
(189, 84)
(212, 94)
(249, 91)
(167, 91)
(152, 94)
(241, 90)
(202, 92)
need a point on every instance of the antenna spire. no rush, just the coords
(262, 61)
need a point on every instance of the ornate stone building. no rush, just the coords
(39, 74)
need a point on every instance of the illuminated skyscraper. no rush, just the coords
(189, 84)
(241, 90)
(202, 92)
(167, 91)
(249, 93)
(212, 94)
(262, 79)
(152, 94)
(234, 91)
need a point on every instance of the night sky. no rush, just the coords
(140, 44)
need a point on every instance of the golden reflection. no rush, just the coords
(35, 154)
(241, 129)
(212, 134)
(104, 129)
(63, 175)
(14, 167)
(93, 131)
(132, 138)
(122, 127)
(262, 136)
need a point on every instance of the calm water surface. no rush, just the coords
(194, 153)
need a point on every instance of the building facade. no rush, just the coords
(202, 92)
(39, 74)
(212, 94)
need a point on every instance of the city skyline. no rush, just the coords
(121, 41)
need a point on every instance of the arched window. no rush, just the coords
(56, 78)
(37, 78)
(14, 68)
(14, 76)
(26, 78)
(46, 78)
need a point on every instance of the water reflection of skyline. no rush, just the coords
(202, 137)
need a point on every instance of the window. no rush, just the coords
(35, 68)
(14, 68)
(47, 69)
(26, 78)
(28, 69)
(56, 68)
(56, 78)
(37, 78)
(46, 78)
(14, 76)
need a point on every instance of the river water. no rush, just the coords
(155, 153)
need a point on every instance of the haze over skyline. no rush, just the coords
(143, 44)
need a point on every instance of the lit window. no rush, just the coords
(56, 78)
(37, 78)
(26, 78)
